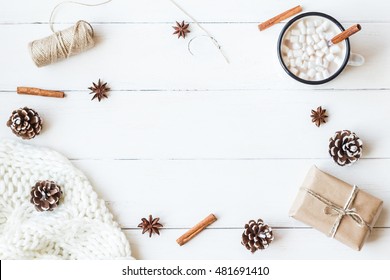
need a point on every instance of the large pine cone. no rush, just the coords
(25, 123)
(45, 195)
(257, 235)
(345, 147)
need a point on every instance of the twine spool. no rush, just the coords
(62, 44)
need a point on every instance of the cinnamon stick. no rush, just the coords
(345, 34)
(40, 92)
(196, 229)
(280, 17)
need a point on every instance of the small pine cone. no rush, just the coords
(257, 235)
(25, 123)
(345, 147)
(45, 195)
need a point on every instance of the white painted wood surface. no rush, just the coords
(182, 136)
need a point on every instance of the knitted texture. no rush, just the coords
(81, 227)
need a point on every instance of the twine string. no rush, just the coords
(68, 51)
(333, 209)
(51, 23)
(62, 44)
(207, 33)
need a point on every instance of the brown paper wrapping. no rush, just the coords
(311, 210)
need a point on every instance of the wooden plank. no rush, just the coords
(205, 125)
(148, 57)
(182, 192)
(210, 11)
(181, 136)
(303, 244)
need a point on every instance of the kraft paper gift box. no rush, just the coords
(336, 208)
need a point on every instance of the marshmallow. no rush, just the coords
(322, 44)
(297, 53)
(309, 23)
(298, 62)
(325, 63)
(325, 73)
(311, 73)
(306, 53)
(295, 32)
(292, 63)
(296, 46)
(330, 57)
(324, 26)
(318, 76)
(317, 22)
(338, 60)
(303, 76)
(294, 39)
(329, 35)
(310, 50)
(316, 38)
(325, 50)
(310, 30)
(334, 49)
(294, 71)
(319, 53)
(309, 40)
(286, 61)
(284, 49)
(302, 27)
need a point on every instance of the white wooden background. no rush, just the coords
(183, 136)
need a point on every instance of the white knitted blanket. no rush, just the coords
(81, 227)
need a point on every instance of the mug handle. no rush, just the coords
(355, 59)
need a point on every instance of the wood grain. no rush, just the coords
(303, 244)
(205, 125)
(226, 11)
(129, 60)
(176, 126)
(238, 190)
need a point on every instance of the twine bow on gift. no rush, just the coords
(332, 209)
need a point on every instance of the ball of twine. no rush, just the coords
(62, 44)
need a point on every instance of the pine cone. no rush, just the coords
(345, 147)
(257, 235)
(25, 123)
(45, 195)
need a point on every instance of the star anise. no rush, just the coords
(99, 90)
(151, 225)
(181, 29)
(318, 116)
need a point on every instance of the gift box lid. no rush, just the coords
(322, 203)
